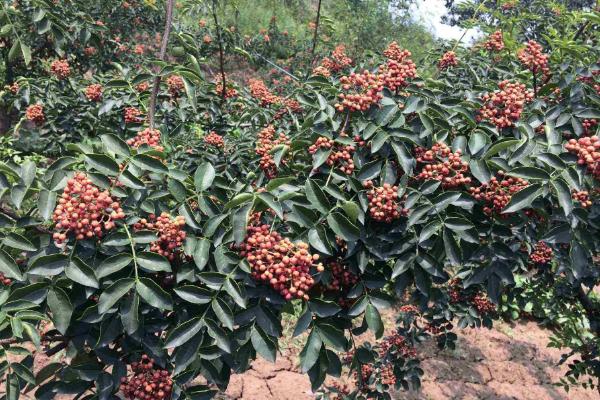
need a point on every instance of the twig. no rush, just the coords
(315, 36)
(221, 56)
(581, 30)
(13, 215)
(161, 56)
(593, 313)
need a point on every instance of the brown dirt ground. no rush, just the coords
(509, 362)
(505, 363)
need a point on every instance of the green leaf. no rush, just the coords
(201, 254)
(523, 198)
(183, 332)
(317, 198)
(146, 162)
(452, 250)
(310, 353)
(114, 293)
(61, 309)
(115, 144)
(263, 344)
(113, 264)
(235, 291)
(323, 308)
(351, 209)
(154, 294)
(223, 312)
(50, 265)
(564, 195)
(204, 176)
(220, 336)
(46, 204)
(194, 294)
(102, 163)
(374, 321)
(26, 51)
(343, 227)
(18, 242)
(153, 262)
(530, 173)
(177, 189)
(499, 146)
(239, 199)
(81, 273)
(130, 314)
(270, 202)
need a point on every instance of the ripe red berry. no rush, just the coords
(148, 136)
(35, 114)
(169, 231)
(384, 205)
(94, 92)
(442, 164)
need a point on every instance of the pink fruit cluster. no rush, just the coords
(84, 210)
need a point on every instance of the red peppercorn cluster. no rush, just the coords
(340, 156)
(90, 51)
(230, 91)
(266, 142)
(583, 197)
(132, 115)
(94, 92)
(498, 192)
(495, 42)
(504, 106)
(542, 254)
(362, 90)
(214, 139)
(279, 262)
(207, 39)
(170, 233)
(448, 60)
(147, 382)
(175, 85)
(442, 164)
(478, 300)
(386, 374)
(84, 210)
(139, 49)
(533, 57)
(60, 69)
(482, 304)
(591, 80)
(338, 391)
(261, 92)
(35, 114)
(587, 150)
(588, 125)
(398, 69)
(340, 282)
(398, 345)
(338, 61)
(383, 202)
(288, 104)
(409, 309)
(148, 136)
(4, 280)
(142, 87)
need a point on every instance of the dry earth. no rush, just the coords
(505, 363)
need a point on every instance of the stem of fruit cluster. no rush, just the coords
(534, 84)
(161, 56)
(221, 55)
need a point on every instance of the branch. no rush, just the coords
(221, 56)
(13, 215)
(315, 36)
(581, 30)
(161, 56)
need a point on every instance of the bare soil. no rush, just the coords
(505, 363)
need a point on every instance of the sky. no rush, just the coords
(430, 13)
